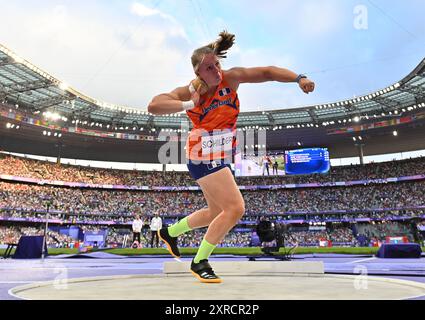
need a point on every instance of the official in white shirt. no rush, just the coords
(156, 224)
(137, 228)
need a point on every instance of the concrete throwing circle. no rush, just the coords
(235, 287)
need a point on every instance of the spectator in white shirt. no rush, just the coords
(156, 224)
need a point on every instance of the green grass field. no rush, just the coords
(233, 251)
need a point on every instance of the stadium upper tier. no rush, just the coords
(37, 92)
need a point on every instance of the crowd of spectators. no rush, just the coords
(338, 237)
(50, 171)
(79, 206)
(54, 239)
(383, 229)
(282, 201)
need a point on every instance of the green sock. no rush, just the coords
(204, 251)
(179, 228)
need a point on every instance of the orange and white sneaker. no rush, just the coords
(204, 272)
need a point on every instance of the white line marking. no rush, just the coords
(16, 282)
(361, 260)
(10, 293)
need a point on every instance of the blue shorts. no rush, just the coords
(199, 170)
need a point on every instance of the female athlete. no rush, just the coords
(212, 104)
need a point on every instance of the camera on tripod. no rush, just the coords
(275, 234)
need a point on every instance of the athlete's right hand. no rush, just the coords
(200, 86)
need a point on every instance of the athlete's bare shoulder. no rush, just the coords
(231, 77)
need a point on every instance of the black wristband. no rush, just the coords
(301, 76)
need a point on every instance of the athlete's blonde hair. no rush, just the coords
(218, 48)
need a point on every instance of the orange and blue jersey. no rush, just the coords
(214, 125)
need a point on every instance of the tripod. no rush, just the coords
(43, 249)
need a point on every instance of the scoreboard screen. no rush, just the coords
(307, 161)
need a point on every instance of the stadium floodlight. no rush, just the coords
(356, 119)
(17, 59)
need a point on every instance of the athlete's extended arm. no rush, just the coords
(264, 74)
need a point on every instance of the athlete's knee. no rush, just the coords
(237, 210)
(213, 213)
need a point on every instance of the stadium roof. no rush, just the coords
(37, 91)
